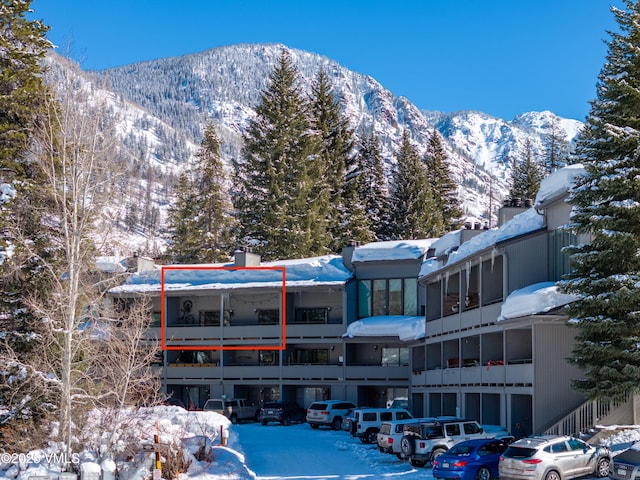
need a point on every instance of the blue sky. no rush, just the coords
(502, 57)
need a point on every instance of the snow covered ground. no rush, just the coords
(253, 451)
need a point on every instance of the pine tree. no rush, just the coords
(556, 145)
(606, 216)
(281, 211)
(526, 175)
(371, 183)
(412, 208)
(345, 214)
(26, 244)
(200, 220)
(23, 44)
(443, 188)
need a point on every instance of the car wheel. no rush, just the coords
(418, 463)
(337, 423)
(407, 446)
(264, 422)
(314, 425)
(552, 475)
(369, 436)
(602, 469)
(286, 422)
(483, 473)
(436, 453)
(234, 419)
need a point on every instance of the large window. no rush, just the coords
(492, 280)
(395, 357)
(559, 261)
(312, 315)
(394, 296)
(313, 356)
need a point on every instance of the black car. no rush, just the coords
(283, 412)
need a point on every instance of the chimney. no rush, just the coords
(244, 257)
(347, 253)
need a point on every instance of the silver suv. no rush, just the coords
(368, 421)
(328, 412)
(424, 441)
(553, 457)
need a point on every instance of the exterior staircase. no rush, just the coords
(586, 420)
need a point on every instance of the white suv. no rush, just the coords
(422, 442)
(368, 421)
(328, 412)
(391, 433)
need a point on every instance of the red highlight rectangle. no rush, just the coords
(283, 308)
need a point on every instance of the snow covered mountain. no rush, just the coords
(164, 105)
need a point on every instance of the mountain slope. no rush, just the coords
(175, 97)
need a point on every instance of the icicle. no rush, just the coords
(446, 281)
(493, 258)
(467, 267)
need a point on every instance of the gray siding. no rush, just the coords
(553, 395)
(526, 262)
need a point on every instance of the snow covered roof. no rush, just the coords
(392, 250)
(317, 271)
(557, 184)
(551, 188)
(111, 264)
(401, 326)
(534, 299)
(528, 221)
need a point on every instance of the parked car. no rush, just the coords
(553, 457)
(422, 443)
(368, 421)
(235, 409)
(282, 412)
(626, 464)
(390, 435)
(471, 460)
(328, 412)
(347, 421)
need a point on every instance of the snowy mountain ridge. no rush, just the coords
(163, 106)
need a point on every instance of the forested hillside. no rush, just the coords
(162, 107)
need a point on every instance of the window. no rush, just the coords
(394, 296)
(453, 429)
(210, 318)
(395, 356)
(316, 356)
(268, 317)
(312, 315)
(434, 300)
(471, 428)
(364, 298)
(155, 320)
(559, 261)
(268, 357)
(492, 280)
(451, 295)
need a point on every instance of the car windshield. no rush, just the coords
(272, 405)
(318, 406)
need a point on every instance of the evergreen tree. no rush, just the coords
(606, 215)
(345, 214)
(23, 44)
(281, 210)
(26, 243)
(556, 145)
(200, 220)
(371, 183)
(526, 175)
(443, 188)
(412, 208)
